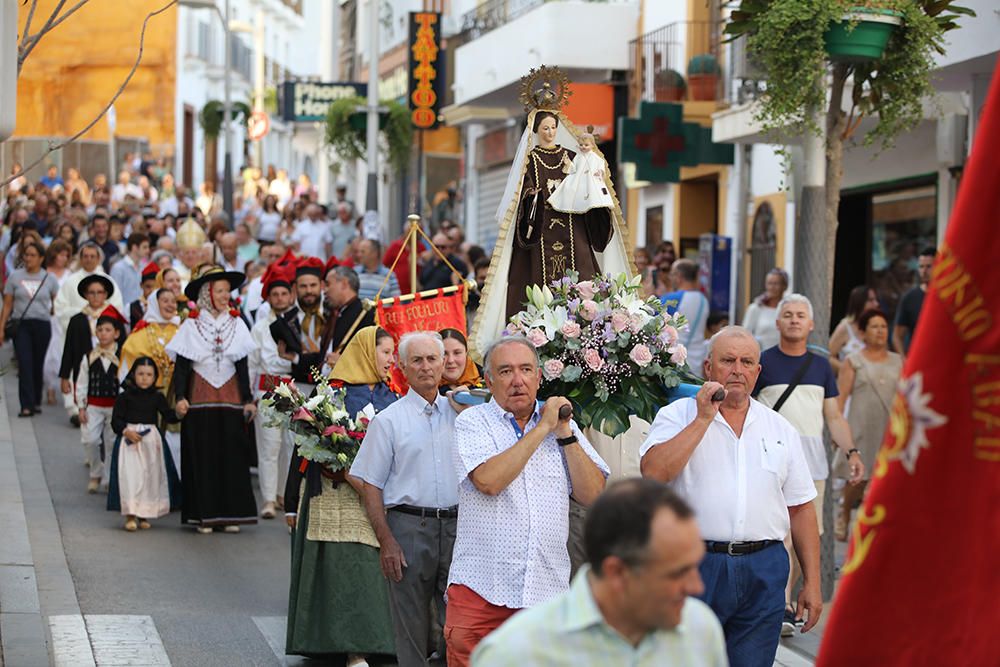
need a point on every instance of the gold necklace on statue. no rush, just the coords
(551, 152)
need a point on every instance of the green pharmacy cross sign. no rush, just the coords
(659, 143)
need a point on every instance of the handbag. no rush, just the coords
(10, 328)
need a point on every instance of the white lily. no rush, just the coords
(314, 402)
(284, 389)
(553, 319)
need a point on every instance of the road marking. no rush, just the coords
(112, 640)
(70, 644)
(786, 657)
(274, 628)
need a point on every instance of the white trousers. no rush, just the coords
(274, 453)
(96, 430)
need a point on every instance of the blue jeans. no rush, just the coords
(30, 345)
(747, 593)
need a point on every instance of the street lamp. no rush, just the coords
(227, 106)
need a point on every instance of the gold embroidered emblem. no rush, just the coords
(552, 184)
(556, 221)
(558, 265)
(558, 246)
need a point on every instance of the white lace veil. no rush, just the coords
(153, 314)
(616, 258)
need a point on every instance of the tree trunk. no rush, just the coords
(836, 124)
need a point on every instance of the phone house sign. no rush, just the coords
(309, 100)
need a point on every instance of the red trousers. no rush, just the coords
(468, 619)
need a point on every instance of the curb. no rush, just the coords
(35, 581)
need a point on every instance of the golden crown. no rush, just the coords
(544, 88)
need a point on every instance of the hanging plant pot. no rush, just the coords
(861, 35)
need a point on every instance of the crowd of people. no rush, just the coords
(161, 323)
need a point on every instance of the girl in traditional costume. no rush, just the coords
(149, 338)
(538, 244)
(144, 483)
(212, 386)
(339, 601)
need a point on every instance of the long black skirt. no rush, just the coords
(215, 468)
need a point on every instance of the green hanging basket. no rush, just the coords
(862, 34)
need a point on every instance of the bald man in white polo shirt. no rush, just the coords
(741, 467)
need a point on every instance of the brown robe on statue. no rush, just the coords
(549, 243)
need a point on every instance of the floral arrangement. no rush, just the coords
(611, 352)
(321, 429)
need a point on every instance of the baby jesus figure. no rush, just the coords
(583, 188)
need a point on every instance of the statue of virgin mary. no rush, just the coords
(537, 244)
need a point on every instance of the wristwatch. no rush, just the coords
(852, 451)
(565, 442)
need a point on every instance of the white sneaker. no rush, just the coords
(231, 529)
(268, 511)
(204, 530)
(355, 660)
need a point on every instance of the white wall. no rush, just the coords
(599, 40)
(660, 13)
(289, 39)
(977, 36)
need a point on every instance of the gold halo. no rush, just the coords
(544, 88)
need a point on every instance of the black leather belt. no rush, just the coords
(738, 548)
(424, 512)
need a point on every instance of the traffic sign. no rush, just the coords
(258, 125)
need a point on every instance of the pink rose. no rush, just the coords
(669, 336)
(571, 329)
(619, 321)
(678, 354)
(635, 322)
(586, 289)
(588, 310)
(593, 359)
(552, 368)
(641, 355)
(537, 337)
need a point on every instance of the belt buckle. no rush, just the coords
(729, 549)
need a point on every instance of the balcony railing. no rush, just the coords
(659, 61)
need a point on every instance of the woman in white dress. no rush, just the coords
(762, 315)
(57, 258)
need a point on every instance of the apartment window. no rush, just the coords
(205, 42)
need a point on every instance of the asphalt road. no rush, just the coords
(213, 599)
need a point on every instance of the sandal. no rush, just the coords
(26, 413)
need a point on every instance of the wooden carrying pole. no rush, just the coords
(414, 221)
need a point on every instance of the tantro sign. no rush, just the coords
(309, 100)
(426, 69)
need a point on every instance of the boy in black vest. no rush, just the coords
(96, 389)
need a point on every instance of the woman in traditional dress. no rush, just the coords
(338, 603)
(459, 368)
(149, 338)
(144, 483)
(537, 244)
(868, 378)
(212, 385)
